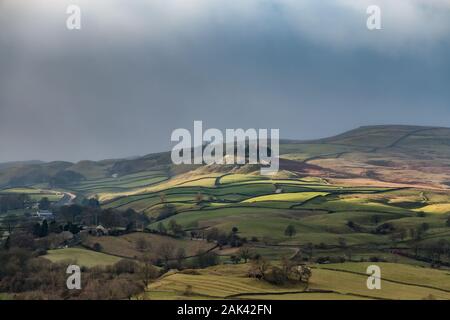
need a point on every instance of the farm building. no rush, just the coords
(44, 214)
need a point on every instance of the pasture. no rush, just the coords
(262, 207)
(34, 194)
(127, 246)
(341, 281)
(82, 257)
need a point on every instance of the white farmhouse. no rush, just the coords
(44, 214)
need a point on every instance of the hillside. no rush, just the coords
(413, 155)
(418, 155)
(371, 195)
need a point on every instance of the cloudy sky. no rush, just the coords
(138, 69)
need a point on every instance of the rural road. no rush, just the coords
(67, 199)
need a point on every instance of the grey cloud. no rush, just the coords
(136, 71)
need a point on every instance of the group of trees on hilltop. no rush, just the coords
(288, 271)
(223, 238)
(172, 229)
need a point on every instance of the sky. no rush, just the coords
(139, 69)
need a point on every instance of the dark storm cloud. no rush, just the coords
(137, 71)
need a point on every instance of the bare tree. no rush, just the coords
(245, 253)
(180, 256)
(166, 252)
(259, 268)
(147, 271)
(142, 244)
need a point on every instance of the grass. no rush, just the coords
(237, 178)
(438, 208)
(179, 181)
(215, 216)
(219, 282)
(271, 224)
(20, 190)
(413, 275)
(319, 207)
(246, 191)
(349, 203)
(290, 197)
(82, 257)
(319, 211)
(303, 151)
(5, 296)
(35, 194)
(304, 296)
(327, 282)
(273, 253)
(187, 193)
(126, 245)
(355, 284)
(120, 184)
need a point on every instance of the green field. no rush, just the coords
(82, 257)
(125, 246)
(327, 282)
(120, 183)
(262, 207)
(5, 296)
(35, 194)
(287, 197)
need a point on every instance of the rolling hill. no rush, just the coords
(374, 194)
(419, 155)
